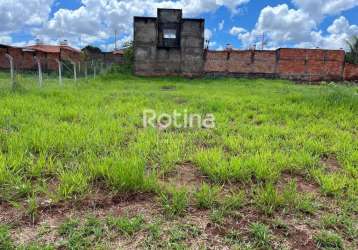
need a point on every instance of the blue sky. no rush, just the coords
(290, 23)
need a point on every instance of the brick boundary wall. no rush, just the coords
(24, 60)
(351, 72)
(293, 64)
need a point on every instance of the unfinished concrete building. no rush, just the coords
(168, 45)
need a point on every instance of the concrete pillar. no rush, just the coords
(38, 61)
(59, 71)
(12, 74)
(74, 71)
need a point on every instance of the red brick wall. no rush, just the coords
(240, 62)
(296, 64)
(4, 63)
(16, 53)
(28, 62)
(351, 72)
(216, 61)
(70, 55)
(24, 60)
(312, 65)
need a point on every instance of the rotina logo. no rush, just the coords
(177, 120)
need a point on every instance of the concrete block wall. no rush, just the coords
(153, 56)
(192, 47)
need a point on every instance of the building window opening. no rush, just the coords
(170, 33)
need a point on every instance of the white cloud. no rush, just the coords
(341, 25)
(283, 26)
(221, 25)
(15, 15)
(339, 32)
(317, 9)
(237, 30)
(5, 39)
(97, 20)
(208, 34)
(279, 24)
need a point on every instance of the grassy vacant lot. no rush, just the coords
(79, 171)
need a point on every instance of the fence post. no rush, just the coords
(38, 61)
(59, 71)
(74, 71)
(86, 70)
(11, 61)
(94, 69)
(101, 67)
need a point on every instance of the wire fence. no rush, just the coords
(41, 71)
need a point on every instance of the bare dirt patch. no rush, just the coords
(168, 88)
(9, 215)
(301, 239)
(331, 163)
(185, 175)
(100, 204)
(304, 183)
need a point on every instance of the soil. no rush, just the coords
(185, 175)
(304, 184)
(331, 163)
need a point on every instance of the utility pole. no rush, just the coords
(115, 39)
(263, 41)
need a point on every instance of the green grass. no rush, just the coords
(234, 201)
(260, 234)
(61, 143)
(207, 196)
(328, 240)
(175, 201)
(125, 225)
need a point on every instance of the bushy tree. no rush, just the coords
(352, 55)
(92, 49)
(128, 53)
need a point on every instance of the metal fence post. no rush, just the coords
(86, 70)
(101, 67)
(74, 71)
(38, 61)
(59, 71)
(12, 74)
(94, 69)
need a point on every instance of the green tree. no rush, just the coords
(128, 53)
(352, 55)
(92, 49)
